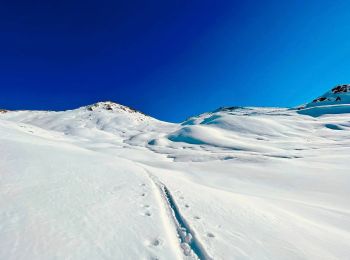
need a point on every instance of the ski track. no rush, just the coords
(188, 240)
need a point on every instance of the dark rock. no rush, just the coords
(341, 89)
(320, 99)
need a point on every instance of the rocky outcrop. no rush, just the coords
(341, 89)
(338, 95)
(112, 106)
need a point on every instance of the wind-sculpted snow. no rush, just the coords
(211, 136)
(324, 110)
(246, 183)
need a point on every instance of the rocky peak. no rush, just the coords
(340, 94)
(111, 106)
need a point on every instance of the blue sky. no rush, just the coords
(171, 59)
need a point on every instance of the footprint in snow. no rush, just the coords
(148, 214)
(211, 235)
(156, 242)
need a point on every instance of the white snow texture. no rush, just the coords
(108, 182)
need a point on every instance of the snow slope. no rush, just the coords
(107, 182)
(340, 94)
(335, 101)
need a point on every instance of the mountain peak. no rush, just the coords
(335, 101)
(340, 94)
(111, 106)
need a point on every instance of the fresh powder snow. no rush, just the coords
(108, 182)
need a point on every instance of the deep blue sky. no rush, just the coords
(171, 59)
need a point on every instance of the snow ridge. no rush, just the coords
(334, 101)
(112, 106)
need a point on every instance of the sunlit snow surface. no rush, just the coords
(106, 182)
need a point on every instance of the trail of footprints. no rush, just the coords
(145, 207)
(195, 217)
(146, 211)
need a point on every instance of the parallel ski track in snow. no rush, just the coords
(189, 243)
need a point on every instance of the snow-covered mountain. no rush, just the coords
(340, 94)
(335, 101)
(108, 182)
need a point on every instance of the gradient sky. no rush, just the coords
(171, 59)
